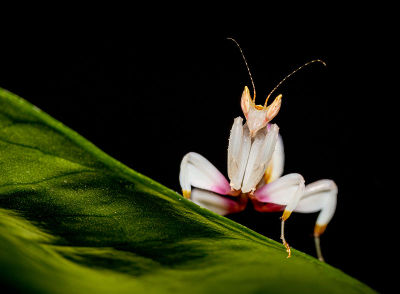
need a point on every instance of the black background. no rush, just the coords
(147, 97)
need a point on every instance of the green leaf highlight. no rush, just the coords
(75, 220)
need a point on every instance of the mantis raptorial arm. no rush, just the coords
(238, 153)
(261, 151)
(248, 157)
(319, 196)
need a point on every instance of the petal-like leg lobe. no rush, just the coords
(216, 203)
(198, 172)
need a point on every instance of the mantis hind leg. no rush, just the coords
(319, 196)
(289, 191)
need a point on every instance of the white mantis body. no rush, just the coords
(255, 168)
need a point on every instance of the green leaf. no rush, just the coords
(75, 220)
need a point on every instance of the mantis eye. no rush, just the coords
(274, 108)
(245, 101)
(258, 116)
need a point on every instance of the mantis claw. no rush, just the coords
(286, 244)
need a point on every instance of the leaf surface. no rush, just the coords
(75, 220)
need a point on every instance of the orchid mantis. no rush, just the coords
(255, 168)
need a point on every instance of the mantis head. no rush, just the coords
(258, 116)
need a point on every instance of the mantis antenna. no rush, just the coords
(292, 73)
(247, 66)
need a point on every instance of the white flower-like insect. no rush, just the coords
(255, 168)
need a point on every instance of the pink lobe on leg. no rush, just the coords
(267, 207)
(261, 194)
(218, 203)
(222, 187)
